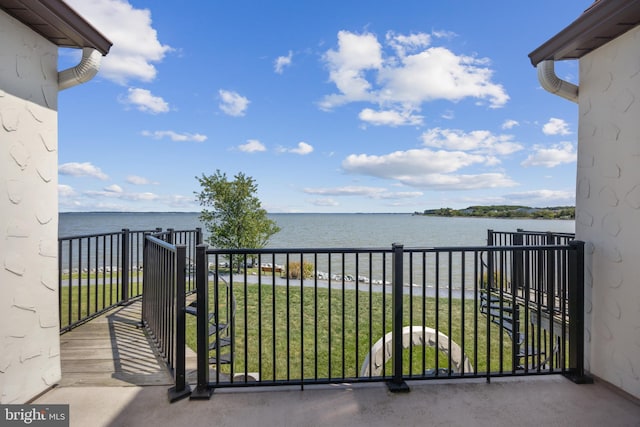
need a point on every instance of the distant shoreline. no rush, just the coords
(504, 212)
(314, 213)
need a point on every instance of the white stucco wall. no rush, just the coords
(29, 331)
(608, 208)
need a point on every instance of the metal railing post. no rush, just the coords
(125, 265)
(488, 290)
(202, 391)
(397, 383)
(549, 281)
(145, 278)
(181, 388)
(199, 236)
(576, 371)
(517, 270)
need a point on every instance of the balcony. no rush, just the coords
(126, 382)
(525, 401)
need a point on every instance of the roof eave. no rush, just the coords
(604, 21)
(57, 22)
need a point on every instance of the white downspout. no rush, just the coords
(81, 73)
(552, 83)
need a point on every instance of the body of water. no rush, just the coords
(326, 230)
(340, 231)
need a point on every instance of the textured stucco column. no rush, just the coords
(608, 208)
(29, 331)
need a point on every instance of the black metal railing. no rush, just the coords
(163, 307)
(317, 316)
(530, 238)
(99, 271)
(539, 284)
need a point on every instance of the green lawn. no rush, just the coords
(308, 334)
(89, 298)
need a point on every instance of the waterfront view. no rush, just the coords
(326, 230)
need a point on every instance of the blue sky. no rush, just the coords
(332, 106)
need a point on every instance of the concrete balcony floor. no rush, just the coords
(549, 400)
(110, 377)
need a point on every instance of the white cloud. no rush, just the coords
(302, 149)
(346, 191)
(82, 169)
(477, 141)
(66, 191)
(443, 34)
(347, 66)
(401, 164)
(144, 101)
(146, 196)
(140, 196)
(448, 115)
(438, 73)
(179, 201)
(411, 43)
(389, 117)
(510, 124)
(138, 180)
(402, 195)
(232, 103)
(370, 192)
(556, 127)
(114, 188)
(406, 75)
(281, 62)
(543, 198)
(136, 47)
(556, 155)
(460, 182)
(175, 136)
(114, 198)
(439, 165)
(252, 146)
(426, 168)
(325, 202)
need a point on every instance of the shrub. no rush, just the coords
(294, 270)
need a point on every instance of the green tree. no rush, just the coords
(232, 213)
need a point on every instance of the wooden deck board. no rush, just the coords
(112, 350)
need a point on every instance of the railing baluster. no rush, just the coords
(463, 294)
(288, 310)
(397, 383)
(343, 297)
(79, 279)
(329, 329)
(488, 290)
(202, 390)
(302, 270)
(450, 311)
(437, 312)
(576, 372)
(125, 265)
(245, 311)
(424, 309)
(315, 318)
(410, 256)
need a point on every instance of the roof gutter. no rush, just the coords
(552, 83)
(81, 73)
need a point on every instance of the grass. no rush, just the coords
(91, 275)
(87, 299)
(320, 333)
